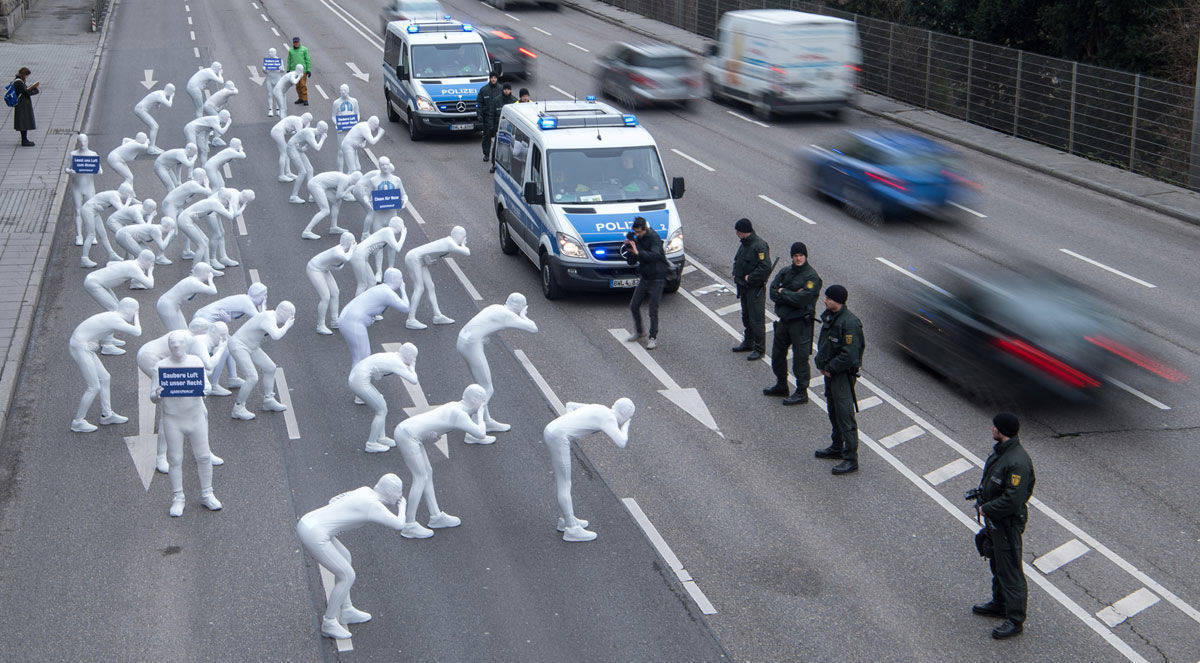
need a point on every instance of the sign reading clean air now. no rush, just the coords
(387, 196)
(181, 382)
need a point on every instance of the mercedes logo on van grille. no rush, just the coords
(461, 107)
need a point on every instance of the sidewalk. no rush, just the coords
(56, 43)
(1152, 194)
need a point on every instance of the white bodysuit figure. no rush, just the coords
(328, 189)
(170, 303)
(513, 314)
(93, 225)
(189, 219)
(164, 97)
(320, 274)
(362, 192)
(218, 100)
(245, 346)
(417, 262)
(212, 167)
(128, 150)
(173, 165)
(83, 185)
(280, 133)
(128, 215)
(362, 311)
(318, 530)
(134, 238)
(374, 220)
(344, 105)
(273, 76)
(185, 417)
(581, 420)
(411, 436)
(284, 83)
(100, 283)
(391, 237)
(218, 255)
(193, 189)
(373, 367)
(360, 136)
(84, 343)
(206, 130)
(308, 138)
(224, 311)
(196, 84)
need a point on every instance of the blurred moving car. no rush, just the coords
(505, 4)
(641, 74)
(880, 175)
(399, 10)
(514, 54)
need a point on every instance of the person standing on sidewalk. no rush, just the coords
(795, 291)
(298, 55)
(839, 356)
(23, 112)
(751, 269)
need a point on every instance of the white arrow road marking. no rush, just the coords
(327, 582)
(358, 73)
(143, 447)
(420, 403)
(686, 398)
(256, 77)
(148, 82)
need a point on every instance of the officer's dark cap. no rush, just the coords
(743, 226)
(837, 293)
(799, 248)
(506, 86)
(495, 73)
(1007, 424)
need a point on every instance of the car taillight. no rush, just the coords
(889, 181)
(959, 179)
(1129, 354)
(853, 67)
(779, 73)
(527, 53)
(501, 34)
(1055, 368)
(640, 79)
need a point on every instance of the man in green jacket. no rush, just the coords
(1001, 498)
(751, 269)
(840, 349)
(488, 103)
(795, 291)
(298, 54)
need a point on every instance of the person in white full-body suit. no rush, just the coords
(83, 185)
(174, 164)
(391, 237)
(328, 189)
(133, 238)
(281, 132)
(417, 262)
(298, 146)
(170, 303)
(346, 107)
(100, 283)
(218, 100)
(365, 308)
(164, 98)
(212, 167)
(273, 75)
(206, 131)
(512, 314)
(245, 346)
(320, 274)
(224, 311)
(93, 224)
(239, 200)
(84, 344)
(185, 417)
(195, 85)
(284, 83)
(373, 367)
(359, 137)
(129, 149)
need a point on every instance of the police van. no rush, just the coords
(432, 72)
(570, 178)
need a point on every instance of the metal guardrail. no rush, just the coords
(1135, 122)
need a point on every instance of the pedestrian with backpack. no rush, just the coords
(17, 95)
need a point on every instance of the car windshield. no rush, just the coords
(661, 61)
(419, 9)
(609, 175)
(448, 60)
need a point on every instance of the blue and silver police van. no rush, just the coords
(570, 178)
(432, 72)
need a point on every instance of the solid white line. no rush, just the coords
(713, 287)
(688, 269)
(868, 403)
(192, 33)
(512, 17)
(189, 20)
(1108, 269)
(710, 313)
(226, 170)
(327, 581)
(726, 310)
(793, 212)
(948, 471)
(541, 31)
(254, 4)
(415, 214)
(970, 211)
(196, 51)
(371, 155)
(463, 278)
(700, 266)
(253, 275)
(1127, 607)
(1060, 556)
(911, 275)
(1156, 403)
(264, 18)
(900, 437)
(664, 550)
(643, 356)
(694, 160)
(356, 25)
(578, 46)
(816, 381)
(541, 383)
(241, 225)
(285, 397)
(693, 590)
(275, 31)
(562, 92)
(321, 92)
(750, 120)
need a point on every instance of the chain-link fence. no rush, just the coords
(1135, 122)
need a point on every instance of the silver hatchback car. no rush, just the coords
(399, 10)
(644, 74)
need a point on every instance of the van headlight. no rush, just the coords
(425, 104)
(675, 242)
(571, 247)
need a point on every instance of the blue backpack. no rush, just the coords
(10, 94)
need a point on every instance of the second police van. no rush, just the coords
(570, 178)
(433, 70)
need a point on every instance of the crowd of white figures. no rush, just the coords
(197, 206)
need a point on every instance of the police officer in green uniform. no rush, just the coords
(751, 269)
(488, 102)
(1006, 486)
(795, 290)
(840, 349)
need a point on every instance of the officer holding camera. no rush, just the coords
(1001, 500)
(644, 248)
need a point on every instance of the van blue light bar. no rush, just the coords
(547, 123)
(467, 27)
(630, 120)
(591, 98)
(413, 29)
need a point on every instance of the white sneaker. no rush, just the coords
(218, 390)
(413, 323)
(188, 254)
(415, 530)
(494, 426)
(161, 465)
(240, 412)
(79, 240)
(651, 343)
(562, 524)
(87, 262)
(324, 331)
(352, 615)
(210, 502)
(112, 418)
(359, 401)
(296, 200)
(309, 235)
(575, 534)
(215, 460)
(442, 320)
(118, 342)
(272, 405)
(163, 260)
(383, 439)
(229, 262)
(111, 350)
(337, 230)
(373, 447)
(330, 628)
(287, 178)
(634, 337)
(236, 383)
(177, 506)
(487, 439)
(442, 520)
(82, 426)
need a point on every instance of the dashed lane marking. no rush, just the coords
(562, 92)
(253, 275)
(189, 20)
(371, 155)
(1108, 269)
(578, 46)
(694, 160)
(912, 275)
(748, 119)
(948, 471)
(1146, 397)
(192, 34)
(321, 91)
(226, 170)
(196, 51)
(327, 581)
(241, 225)
(1060, 556)
(285, 397)
(668, 556)
(275, 31)
(541, 31)
(1127, 607)
(900, 437)
(968, 210)
(264, 18)
(793, 212)
(541, 383)
(512, 17)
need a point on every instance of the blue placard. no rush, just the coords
(387, 196)
(181, 382)
(272, 64)
(345, 121)
(85, 165)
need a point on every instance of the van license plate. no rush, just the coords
(625, 283)
(462, 127)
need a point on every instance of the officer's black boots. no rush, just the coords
(779, 389)
(742, 347)
(989, 609)
(799, 397)
(829, 452)
(1007, 630)
(845, 467)
(754, 355)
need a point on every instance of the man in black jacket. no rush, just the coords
(645, 250)
(751, 269)
(488, 102)
(795, 291)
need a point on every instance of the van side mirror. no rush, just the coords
(498, 67)
(532, 196)
(401, 72)
(712, 50)
(677, 187)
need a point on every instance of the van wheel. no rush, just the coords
(393, 116)
(714, 90)
(552, 6)
(763, 108)
(507, 246)
(414, 132)
(551, 288)
(500, 4)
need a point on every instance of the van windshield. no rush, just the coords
(608, 175)
(449, 60)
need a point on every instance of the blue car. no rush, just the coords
(880, 175)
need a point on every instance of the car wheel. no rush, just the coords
(763, 108)
(393, 116)
(629, 99)
(552, 6)
(507, 246)
(864, 206)
(500, 4)
(414, 132)
(551, 289)
(714, 90)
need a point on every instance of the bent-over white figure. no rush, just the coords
(510, 315)
(170, 303)
(195, 188)
(373, 367)
(346, 106)
(273, 76)
(224, 311)
(327, 189)
(84, 343)
(217, 101)
(195, 85)
(133, 238)
(360, 136)
(581, 420)
(362, 311)
(128, 215)
(320, 274)
(281, 132)
(308, 138)
(245, 346)
(175, 164)
(128, 150)
(238, 201)
(206, 130)
(318, 530)
(83, 185)
(93, 225)
(390, 237)
(188, 221)
(100, 283)
(212, 167)
(284, 83)
(185, 417)
(153, 100)
(417, 262)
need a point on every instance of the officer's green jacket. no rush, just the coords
(1007, 481)
(753, 259)
(840, 344)
(490, 100)
(801, 288)
(299, 56)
